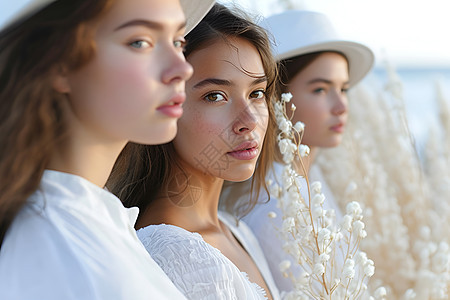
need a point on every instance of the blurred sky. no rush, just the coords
(406, 32)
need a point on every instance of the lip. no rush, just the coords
(247, 150)
(173, 108)
(338, 128)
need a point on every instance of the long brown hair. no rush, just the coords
(141, 172)
(31, 119)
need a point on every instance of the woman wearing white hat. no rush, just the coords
(78, 80)
(317, 66)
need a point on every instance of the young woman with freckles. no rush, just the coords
(79, 79)
(317, 67)
(221, 135)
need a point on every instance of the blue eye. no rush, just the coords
(214, 97)
(140, 44)
(259, 94)
(181, 44)
(319, 90)
(344, 90)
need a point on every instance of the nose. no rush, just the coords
(246, 120)
(340, 103)
(177, 68)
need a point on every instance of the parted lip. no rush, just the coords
(245, 146)
(338, 124)
(176, 99)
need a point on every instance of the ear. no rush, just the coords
(60, 80)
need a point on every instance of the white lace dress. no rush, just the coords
(197, 269)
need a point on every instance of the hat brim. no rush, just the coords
(360, 58)
(194, 11)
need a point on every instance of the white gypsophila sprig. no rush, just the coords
(326, 252)
(404, 196)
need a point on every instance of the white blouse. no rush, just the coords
(198, 269)
(74, 240)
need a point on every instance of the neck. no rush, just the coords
(86, 157)
(190, 201)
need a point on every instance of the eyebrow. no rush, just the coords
(322, 80)
(223, 82)
(148, 24)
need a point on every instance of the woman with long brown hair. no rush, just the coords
(78, 80)
(228, 111)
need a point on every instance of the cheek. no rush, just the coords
(197, 129)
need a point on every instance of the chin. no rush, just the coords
(331, 144)
(163, 134)
(239, 174)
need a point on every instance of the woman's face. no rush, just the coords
(132, 90)
(320, 95)
(226, 115)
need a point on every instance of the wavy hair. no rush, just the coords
(141, 172)
(31, 116)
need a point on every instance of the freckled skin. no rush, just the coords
(208, 130)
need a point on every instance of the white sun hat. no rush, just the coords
(15, 10)
(298, 32)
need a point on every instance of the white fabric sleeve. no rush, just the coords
(196, 268)
(38, 264)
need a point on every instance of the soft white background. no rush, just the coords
(410, 32)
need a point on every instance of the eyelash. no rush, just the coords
(257, 91)
(179, 44)
(140, 41)
(182, 44)
(211, 94)
(263, 96)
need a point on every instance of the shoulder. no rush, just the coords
(166, 243)
(36, 255)
(196, 268)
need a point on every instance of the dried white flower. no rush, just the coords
(311, 236)
(293, 107)
(380, 293)
(318, 199)
(316, 187)
(286, 97)
(319, 269)
(347, 223)
(324, 257)
(323, 235)
(349, 269)
(304, 279)
(409, 294)
(354, 209)
(284, 265)
(304, 150)
(299, 126)
(285, 126)
(272, 215)
(358, 227)
(288, 224)
(283, 144)
(369, 268)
